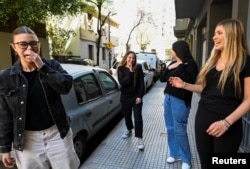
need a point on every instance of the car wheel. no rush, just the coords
(80, 146)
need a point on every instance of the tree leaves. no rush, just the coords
(29, 12)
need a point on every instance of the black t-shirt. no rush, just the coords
(37, 112)
(188, 72)
(132, 83)
(211, 97)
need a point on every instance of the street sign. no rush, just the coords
(109, 45)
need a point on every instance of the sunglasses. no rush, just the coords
(24, 45)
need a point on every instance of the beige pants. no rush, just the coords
(45, 149)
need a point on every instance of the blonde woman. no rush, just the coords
(224, 85)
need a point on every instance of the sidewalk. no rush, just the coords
(117, 153)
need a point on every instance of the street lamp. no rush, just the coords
(110, 46)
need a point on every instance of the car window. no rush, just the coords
(108, 82)
(80, 91)
(86, 88)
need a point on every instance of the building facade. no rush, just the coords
(83, 44)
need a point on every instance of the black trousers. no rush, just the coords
(129, 107)
(228, 142)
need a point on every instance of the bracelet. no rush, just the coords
(184, 85)
(227, 122)
(224, 123)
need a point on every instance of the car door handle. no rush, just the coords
(111, 101)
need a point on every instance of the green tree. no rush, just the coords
(58, 36)
(14, 13)
(29, 12)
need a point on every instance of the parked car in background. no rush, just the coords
(147, 71)
(112, 71)
(93, 101)
(153, 61)
(81, 61)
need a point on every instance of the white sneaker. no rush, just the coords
(140, 144)
(185, 166)
(172, 159)
(127, 134)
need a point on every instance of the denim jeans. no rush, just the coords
(176, 117)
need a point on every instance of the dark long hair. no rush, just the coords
(124, 59)
(124, 62)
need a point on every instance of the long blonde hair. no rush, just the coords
(236, 50)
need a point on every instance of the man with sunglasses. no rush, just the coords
(33, 120)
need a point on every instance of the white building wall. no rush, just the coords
(73, 45)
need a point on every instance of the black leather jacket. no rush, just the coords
(13, 95)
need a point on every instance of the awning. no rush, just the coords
(186, 11)
(188, 8)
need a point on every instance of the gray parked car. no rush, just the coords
(91, 103)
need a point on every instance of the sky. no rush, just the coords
(162, 11)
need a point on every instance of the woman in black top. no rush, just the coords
(131, 79)
(224, 84)
(177, 103)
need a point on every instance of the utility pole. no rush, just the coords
(109, 43)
